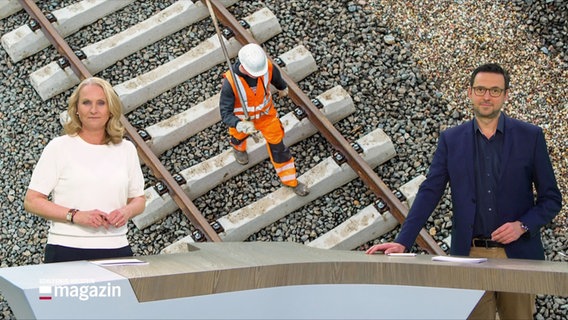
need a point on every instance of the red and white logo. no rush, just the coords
(45, 293)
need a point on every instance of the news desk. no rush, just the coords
(270, 280)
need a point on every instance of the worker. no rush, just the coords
(254, 74)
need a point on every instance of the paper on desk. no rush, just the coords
(460, 259)
(119, 262)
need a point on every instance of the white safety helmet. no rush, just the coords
(253, 59)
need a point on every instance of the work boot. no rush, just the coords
(241, 156)
(301, 189)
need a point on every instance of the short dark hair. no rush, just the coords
(493, 68)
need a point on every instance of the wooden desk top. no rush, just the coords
(208, 268)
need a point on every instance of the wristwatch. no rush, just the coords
(71, 215)
(524, 227)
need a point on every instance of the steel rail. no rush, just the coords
(144, 151)
(326, 128)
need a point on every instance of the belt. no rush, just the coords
(486, 243)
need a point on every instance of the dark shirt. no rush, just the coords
(227, 98)
(487, 170)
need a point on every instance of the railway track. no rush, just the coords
(171, 190)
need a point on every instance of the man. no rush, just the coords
(246, 106)
(492, 163)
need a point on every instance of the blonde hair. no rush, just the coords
(114, 132)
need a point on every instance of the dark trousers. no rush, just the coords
(56, 253)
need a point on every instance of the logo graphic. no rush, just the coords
(82, 290)
(44, 293)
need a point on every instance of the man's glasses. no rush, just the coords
(494, 92)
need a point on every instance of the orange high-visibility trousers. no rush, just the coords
(280, 156)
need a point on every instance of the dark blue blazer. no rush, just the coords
(525, 162)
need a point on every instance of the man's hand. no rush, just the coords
(282, 93)
(389, 247)
(507, 233)
(245, 127)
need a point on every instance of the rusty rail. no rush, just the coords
(146, 154)
(326, 128)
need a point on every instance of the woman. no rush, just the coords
(94, 179)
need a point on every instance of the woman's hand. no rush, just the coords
(92, 218)
(118, 218)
